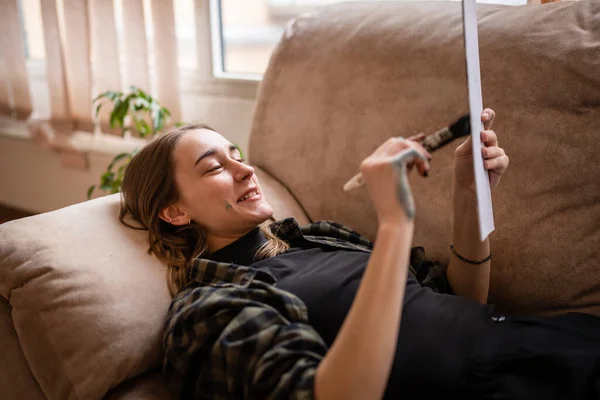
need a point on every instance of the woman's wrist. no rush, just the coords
(470, 261)
(397, 224)
(465, 231)
(464, 193)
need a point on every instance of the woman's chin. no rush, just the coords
(267, 211)
(260, 212)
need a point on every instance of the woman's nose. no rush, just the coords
(243, 171)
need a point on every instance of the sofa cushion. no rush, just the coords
(150, 386)
(346, 77)
(88, 302)
(16, 380)
(279, 198)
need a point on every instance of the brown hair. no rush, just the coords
(148, 187)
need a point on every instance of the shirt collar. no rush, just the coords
(242, 251)
(227, 265)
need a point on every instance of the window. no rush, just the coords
(230, 39)
(245, 32)
(35, 52)
(31, 14)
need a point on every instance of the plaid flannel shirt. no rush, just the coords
(232, 334)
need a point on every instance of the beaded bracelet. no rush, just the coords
(488, 258)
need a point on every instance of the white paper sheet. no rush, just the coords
(482, 180)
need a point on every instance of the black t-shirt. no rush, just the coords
(437, 330)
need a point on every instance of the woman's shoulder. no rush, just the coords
(241, 287)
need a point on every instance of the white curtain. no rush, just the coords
(83, 59)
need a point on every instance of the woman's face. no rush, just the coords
(216, 189)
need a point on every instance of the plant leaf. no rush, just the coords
(121, 171)
(106, 180)
(240, 150)
(142, 127)
(114, 120)
(144, 95)
(117, 117)
(117, 158)
(111, 95)
(100, 96)
(90, 191)
(158, 121)
(116, 186)
(141, 104)
(98, 109)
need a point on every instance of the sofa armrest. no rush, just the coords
(149, 386)
(279, 197)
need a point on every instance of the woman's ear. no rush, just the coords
(174, 215)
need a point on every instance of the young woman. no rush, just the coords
(278, 311)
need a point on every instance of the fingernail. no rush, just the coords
(486, 115)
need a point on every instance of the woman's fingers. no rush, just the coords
(492, 152)
(406, 155)
(417, 138)
(410, 157)
(393, 146)
(489, 138)
(487, 117)
(421, 162)
(495, 158)
(498, 164)
(420, 147)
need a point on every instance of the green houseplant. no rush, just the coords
(132, 111)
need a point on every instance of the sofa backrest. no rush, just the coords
(346, 77)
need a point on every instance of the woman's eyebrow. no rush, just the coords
(207, 153)
(211, 152)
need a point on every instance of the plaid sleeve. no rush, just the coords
(430, 274)
(229, 341)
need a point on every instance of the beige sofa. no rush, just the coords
(82, 304)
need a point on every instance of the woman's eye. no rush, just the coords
(216, 167)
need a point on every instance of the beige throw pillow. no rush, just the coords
(88, 302)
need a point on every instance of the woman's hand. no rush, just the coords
(495, 159)
(385, 173)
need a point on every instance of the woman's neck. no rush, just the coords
(217, 242)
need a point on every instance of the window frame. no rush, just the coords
(217, 45)
(217, 37)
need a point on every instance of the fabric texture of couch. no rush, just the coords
(82, 304)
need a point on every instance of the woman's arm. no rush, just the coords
(468, 280)
(358, 364)
(473, 280)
